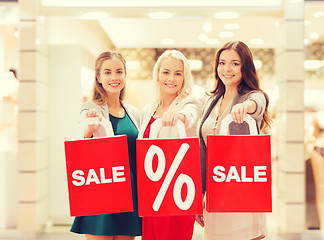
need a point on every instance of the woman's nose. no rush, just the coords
(113, 76)
(227, 67)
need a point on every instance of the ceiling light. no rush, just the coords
(167, 41)
(257, 41)
(314, 35)
(213, 41)
(95, 15)
(312, 65)
(41, 18)
(226, 34)
(296, 1)
(277, 24)
(160, 15)
(132, 64)
(207, 27)
(306, 22)
(226, 15)
(306, 41)
(257, 64)
(195, 65)
(231, 26)
(203, 37)
(319, 14)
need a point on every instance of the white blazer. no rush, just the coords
(189, 106)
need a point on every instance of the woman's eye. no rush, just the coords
(120, 72)
(179, 74)
(107, 72)
(165, 72)
(221, 63)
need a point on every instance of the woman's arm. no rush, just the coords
(89, 110)
(254, 105)
(91, 128)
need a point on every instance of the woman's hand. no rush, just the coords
(200, 220)
(169, 118)
(240, 110)
(91, 128)
(200, 217)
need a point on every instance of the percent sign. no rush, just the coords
(180, 181)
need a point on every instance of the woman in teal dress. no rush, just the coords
(106, 104)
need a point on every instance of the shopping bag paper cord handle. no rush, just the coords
(228, 119)
(157, 125)
(104, 123)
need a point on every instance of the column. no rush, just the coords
(33, 120)
(290, 120)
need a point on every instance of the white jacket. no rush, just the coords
(189, 106)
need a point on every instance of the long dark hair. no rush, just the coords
(250, 81)
(99, 94)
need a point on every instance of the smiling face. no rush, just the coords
(112, 76)
(229, 68)
(171, 76)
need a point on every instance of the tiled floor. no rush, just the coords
(62, 233)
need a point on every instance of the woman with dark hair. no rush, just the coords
(106, 105)
(238, 93)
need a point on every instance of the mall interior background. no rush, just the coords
(52, 45)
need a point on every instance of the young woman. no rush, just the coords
(106, 102)
(238, 93)
(173, 79)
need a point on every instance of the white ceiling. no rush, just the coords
(129, 26)
(186, 32)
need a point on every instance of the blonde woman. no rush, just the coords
(106, 104)
(173, 82)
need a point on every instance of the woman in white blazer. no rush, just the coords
(106, 106)
(173, 81)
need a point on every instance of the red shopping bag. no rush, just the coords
(98, 176)
(169, 176)
(238, 173)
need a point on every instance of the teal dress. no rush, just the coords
(129, 223)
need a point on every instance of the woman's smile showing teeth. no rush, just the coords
(170, 85)
(114, 84)
(228, 76)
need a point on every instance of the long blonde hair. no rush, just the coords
(187, 77)
(99, 94)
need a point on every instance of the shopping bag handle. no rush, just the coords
(104, 123)
(157, 125)
(228, 119)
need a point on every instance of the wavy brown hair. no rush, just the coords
(99, 94)
(250, 81)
